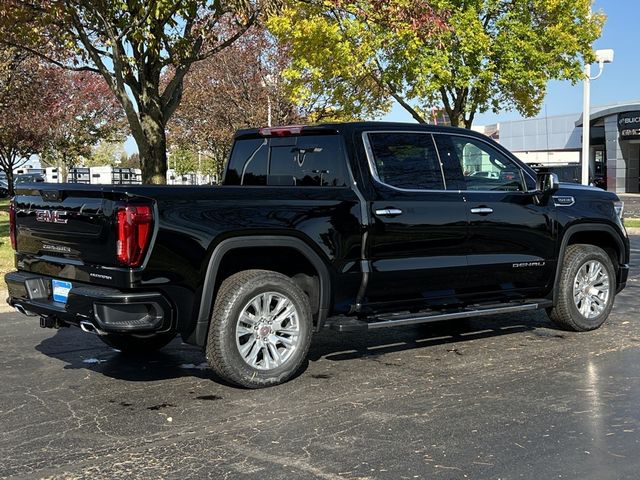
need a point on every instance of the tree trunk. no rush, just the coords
(454, 118)
(468, 122)
(152, 147)
(10, 180)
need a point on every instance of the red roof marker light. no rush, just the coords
(281, 131)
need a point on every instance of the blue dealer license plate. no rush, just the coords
(60, 290)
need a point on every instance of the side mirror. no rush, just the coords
(548, 182)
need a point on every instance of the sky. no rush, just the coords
(619, 82)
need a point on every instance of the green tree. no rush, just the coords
(184, 161)
(142, 49)
(351, 57)
(106, 153)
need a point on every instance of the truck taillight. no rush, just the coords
(135, 226)
(12, 224)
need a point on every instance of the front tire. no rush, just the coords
(586, 289)
(260, 329)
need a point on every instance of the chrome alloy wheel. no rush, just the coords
(591, 289)
(268, 331)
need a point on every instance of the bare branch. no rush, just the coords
(243, 28)
(32, 51)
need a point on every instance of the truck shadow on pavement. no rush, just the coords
(78, 350)
(338, 347)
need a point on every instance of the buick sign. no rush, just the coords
(629, 125)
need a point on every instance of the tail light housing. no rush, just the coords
(12, 224)
(134, 229)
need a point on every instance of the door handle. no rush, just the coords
(388, 212)
(482, 210)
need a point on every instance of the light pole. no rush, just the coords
(199, 175)
(268, 84)
(602, 57)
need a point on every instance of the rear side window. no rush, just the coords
(305, 161)
(406, 160)
(248, 163)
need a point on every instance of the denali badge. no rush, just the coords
(51, 216)
(56, 248)
(99, 275)
(563, 201)
(529, 264)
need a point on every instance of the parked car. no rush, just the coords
(4, 189)
(352, 227)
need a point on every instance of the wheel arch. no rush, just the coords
(227, 247)
(599, 235)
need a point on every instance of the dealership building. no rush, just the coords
(556, 142)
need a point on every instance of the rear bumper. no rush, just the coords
(107, 309)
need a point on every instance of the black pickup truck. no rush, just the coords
(350, 226)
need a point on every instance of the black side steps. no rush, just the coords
(351, 324)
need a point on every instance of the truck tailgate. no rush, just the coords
(75, 223)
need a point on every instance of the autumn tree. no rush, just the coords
(240, 88)
(132, 44)
(24, 105)
(82, 114)
(465, 56)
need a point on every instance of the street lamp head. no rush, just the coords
(604, 56)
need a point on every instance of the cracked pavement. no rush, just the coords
(506, 397)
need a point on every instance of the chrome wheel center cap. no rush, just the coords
(264, 330)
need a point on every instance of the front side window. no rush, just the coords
(406, 160)
(475, 165)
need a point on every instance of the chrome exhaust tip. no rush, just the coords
(20, 309)
(89, 327)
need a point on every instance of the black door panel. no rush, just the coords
(418, 255)
(511, 244)
(511, 248)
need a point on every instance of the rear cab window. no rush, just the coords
(293, 161)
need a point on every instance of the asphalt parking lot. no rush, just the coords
(503, 397)
(631, 204)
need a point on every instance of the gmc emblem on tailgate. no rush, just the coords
(51, 216)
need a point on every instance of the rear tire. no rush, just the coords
(260, 329)
(132, 345)
(586, 289)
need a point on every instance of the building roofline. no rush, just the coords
(610, 110)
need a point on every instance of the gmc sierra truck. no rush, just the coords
(351, 226)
